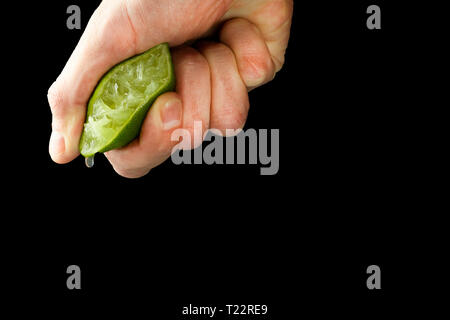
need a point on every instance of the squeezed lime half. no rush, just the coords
(123, 96)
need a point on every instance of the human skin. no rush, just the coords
(213, 78)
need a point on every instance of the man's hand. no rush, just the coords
(212, 79)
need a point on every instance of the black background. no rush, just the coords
(348, 193)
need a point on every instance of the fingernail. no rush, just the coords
(171, 114)
(57, 144)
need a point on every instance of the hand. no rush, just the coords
(213, 78)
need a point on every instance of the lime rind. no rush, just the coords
(120, 97)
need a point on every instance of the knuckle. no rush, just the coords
(56, 100)
(281, 12)
(287, 9)
(277, 36)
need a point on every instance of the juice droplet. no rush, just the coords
(89, 161)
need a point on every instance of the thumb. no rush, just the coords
(108, 38)
(67, 123)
